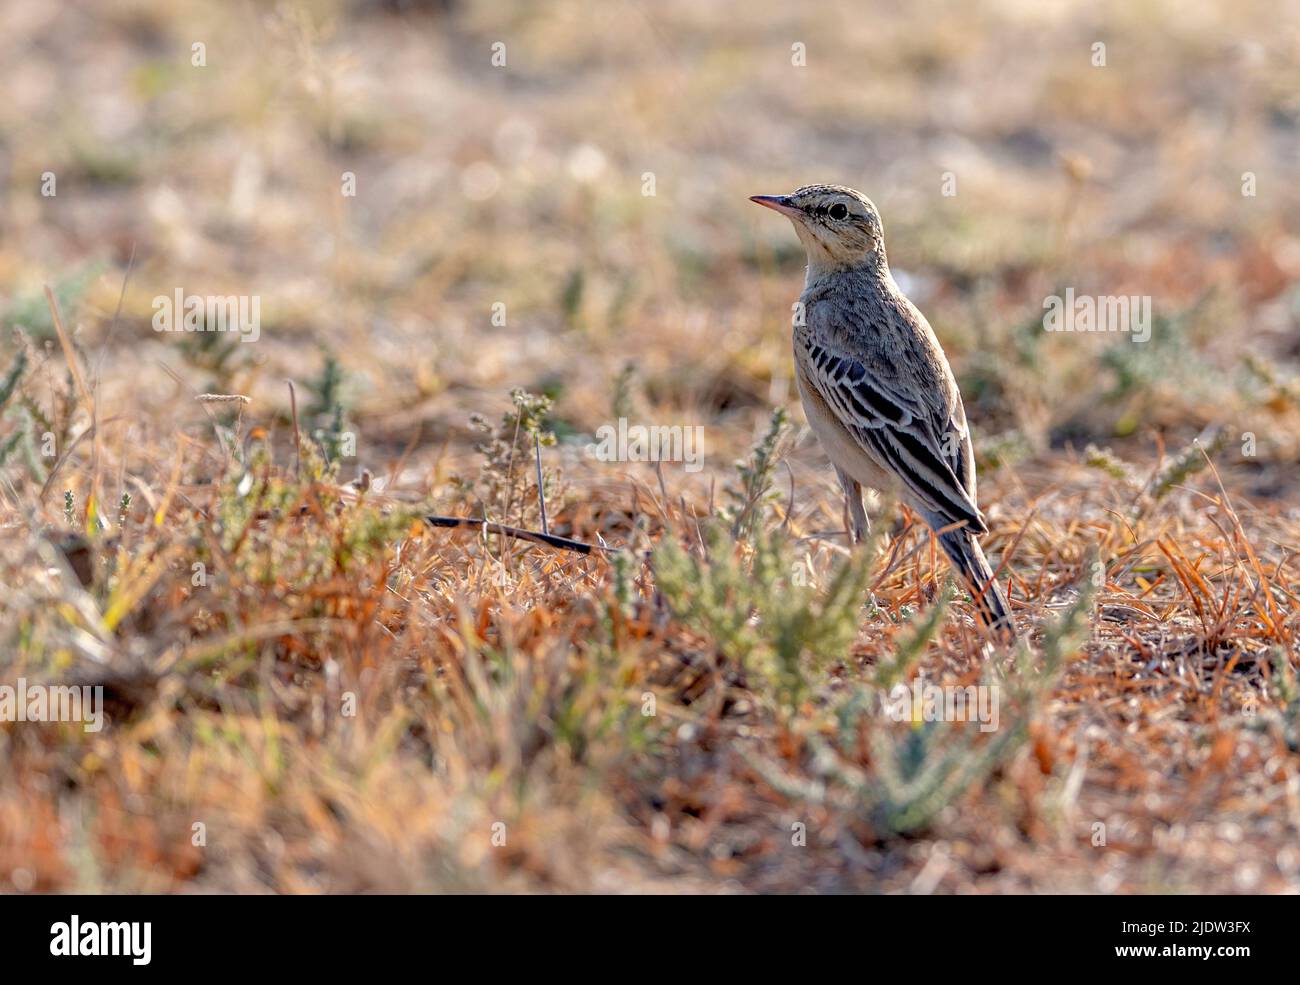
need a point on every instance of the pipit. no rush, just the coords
(877, 387)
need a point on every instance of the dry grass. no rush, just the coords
(347, 700)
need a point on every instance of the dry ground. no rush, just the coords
(309, 691)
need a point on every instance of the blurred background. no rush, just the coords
(437, 202)
(547, 221)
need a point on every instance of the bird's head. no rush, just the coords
(839, 227)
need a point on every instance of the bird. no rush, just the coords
(877, 389)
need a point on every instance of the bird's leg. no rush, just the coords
(855, 516)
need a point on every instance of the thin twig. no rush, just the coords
(541, 493)
(297, 437)
(74, 367)
(112, 327)
(501, 530)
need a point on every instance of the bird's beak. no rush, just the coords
(778, 203)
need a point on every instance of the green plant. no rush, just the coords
(31, 310)
(328, 412)
(916, 775)
(757, 605)
(216, 353)
(8, 386)
(915, 769)
(508, 449)
(621, 400)
(749, 498)
(1189, 460)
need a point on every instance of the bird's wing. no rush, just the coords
(899, 432)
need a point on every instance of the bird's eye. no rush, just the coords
(839, 211)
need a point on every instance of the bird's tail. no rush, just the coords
(968, 558)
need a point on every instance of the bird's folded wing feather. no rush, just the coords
(898, 432)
